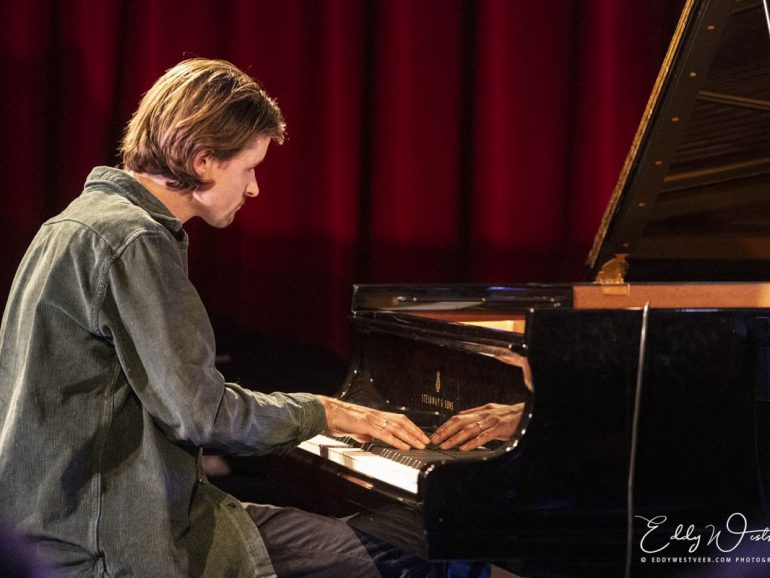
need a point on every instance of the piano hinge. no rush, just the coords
(613, 272)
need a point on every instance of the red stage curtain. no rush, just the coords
(429, 141)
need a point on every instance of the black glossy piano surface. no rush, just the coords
(554, 498)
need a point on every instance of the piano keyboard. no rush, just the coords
(364, 462)
(381, 462)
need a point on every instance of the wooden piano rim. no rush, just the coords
(672, 295)
(625, 296)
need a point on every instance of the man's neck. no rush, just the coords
(179, 203)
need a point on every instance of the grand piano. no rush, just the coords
(645, 393)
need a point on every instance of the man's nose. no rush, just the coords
(252, 190)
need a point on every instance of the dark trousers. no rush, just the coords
(305, 545)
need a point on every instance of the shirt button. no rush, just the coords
(231, 506)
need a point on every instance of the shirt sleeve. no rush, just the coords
(165, 344)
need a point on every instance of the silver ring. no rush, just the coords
(481, 429)
(385, 424)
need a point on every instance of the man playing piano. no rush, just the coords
(107, 378)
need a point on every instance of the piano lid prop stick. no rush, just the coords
(767, 14)
(635, 438)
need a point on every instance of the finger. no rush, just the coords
(410, 429)
(450, 428)
(384, 435)
(408, 437)
(478, 441)
(362, 438)
(468, 432)
(399, 431)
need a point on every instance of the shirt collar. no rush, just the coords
(122, 183)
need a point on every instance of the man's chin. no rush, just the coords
(222, 223)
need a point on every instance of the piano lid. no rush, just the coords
(693, 198)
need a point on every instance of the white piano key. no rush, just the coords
(363, 462)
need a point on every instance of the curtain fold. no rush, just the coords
(430, 141)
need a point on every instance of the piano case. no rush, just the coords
(645, 392)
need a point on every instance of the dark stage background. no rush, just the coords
(429, 140)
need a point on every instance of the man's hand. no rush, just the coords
(365, 424)
(475, 427)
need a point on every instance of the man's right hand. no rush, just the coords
(365, 424)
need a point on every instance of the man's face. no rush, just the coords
(233, 181)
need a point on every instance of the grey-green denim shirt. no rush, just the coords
(107, 390)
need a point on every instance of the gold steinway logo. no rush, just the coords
(436, 400)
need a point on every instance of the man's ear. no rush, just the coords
(202, 163)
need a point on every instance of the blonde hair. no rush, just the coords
(199, 105)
